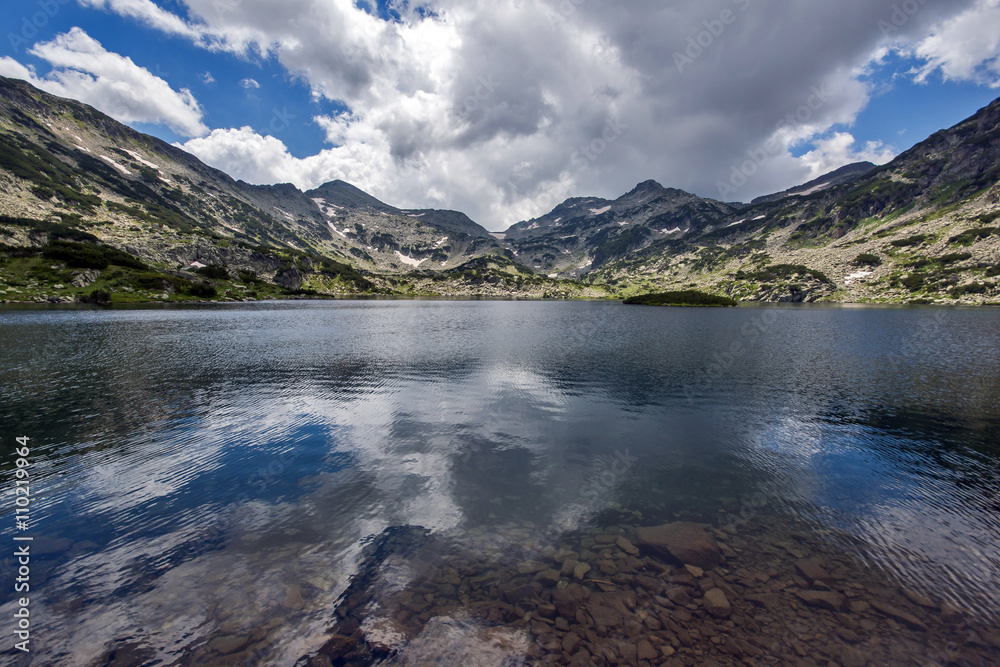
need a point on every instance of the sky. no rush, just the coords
(502, 109)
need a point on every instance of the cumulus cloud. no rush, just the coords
(83, 70)
(502, 108)
(249, 83)
(964, 48)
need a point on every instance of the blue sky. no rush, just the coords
(503, 109)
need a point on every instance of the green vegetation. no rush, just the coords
(51, 230)
(972, 288)
(777, 272)
(867, 259)
(951, 258)
(913, 282)
(682, 298)
(970, 236)
(214, 271)
(101, 297)
(620, 245)
(88, 256)
(909, 241)
(50, 175)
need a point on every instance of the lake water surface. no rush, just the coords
(208, 482)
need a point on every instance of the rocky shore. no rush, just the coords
(678, 594)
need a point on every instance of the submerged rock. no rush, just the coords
(228, 644)
(813, 571)
(717, 604)
(824, 599)
(685, 542)
(899, 615)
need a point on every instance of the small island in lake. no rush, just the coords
(683, 298)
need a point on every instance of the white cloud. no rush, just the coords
(249, 83)
(83, 70)
(147, 12)
(207, 78)
(498, 107)
(839, 149)
(13, 69)
(964, 48)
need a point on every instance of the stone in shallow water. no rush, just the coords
(770, 601)
(682, 541)
(531, 567)
(627, 546)
(717, 604)
(605, 616)
(922, 600)
(228, 644)
(695, 571)
(548, 577)
(514, 594)
(823, 599)
(852, 657)
(581, 570)
(899, 615)
(813, 571)
(568, 600)
(293, 597)
(645, 650)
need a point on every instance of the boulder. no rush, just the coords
(684, 542)
(717, 604)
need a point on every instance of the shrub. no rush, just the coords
(98, 296)
(970, 236)
(909, 241)
(974, 288)
(782, 271)
(951, 258)
(867, 259)
(913, 283)
(89, 256)
(159, 281)
(202, 291)
(683, 298)
(993, 271)
(214, 271)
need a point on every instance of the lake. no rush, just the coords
(462, 482)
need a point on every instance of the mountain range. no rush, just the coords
(90, 206)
